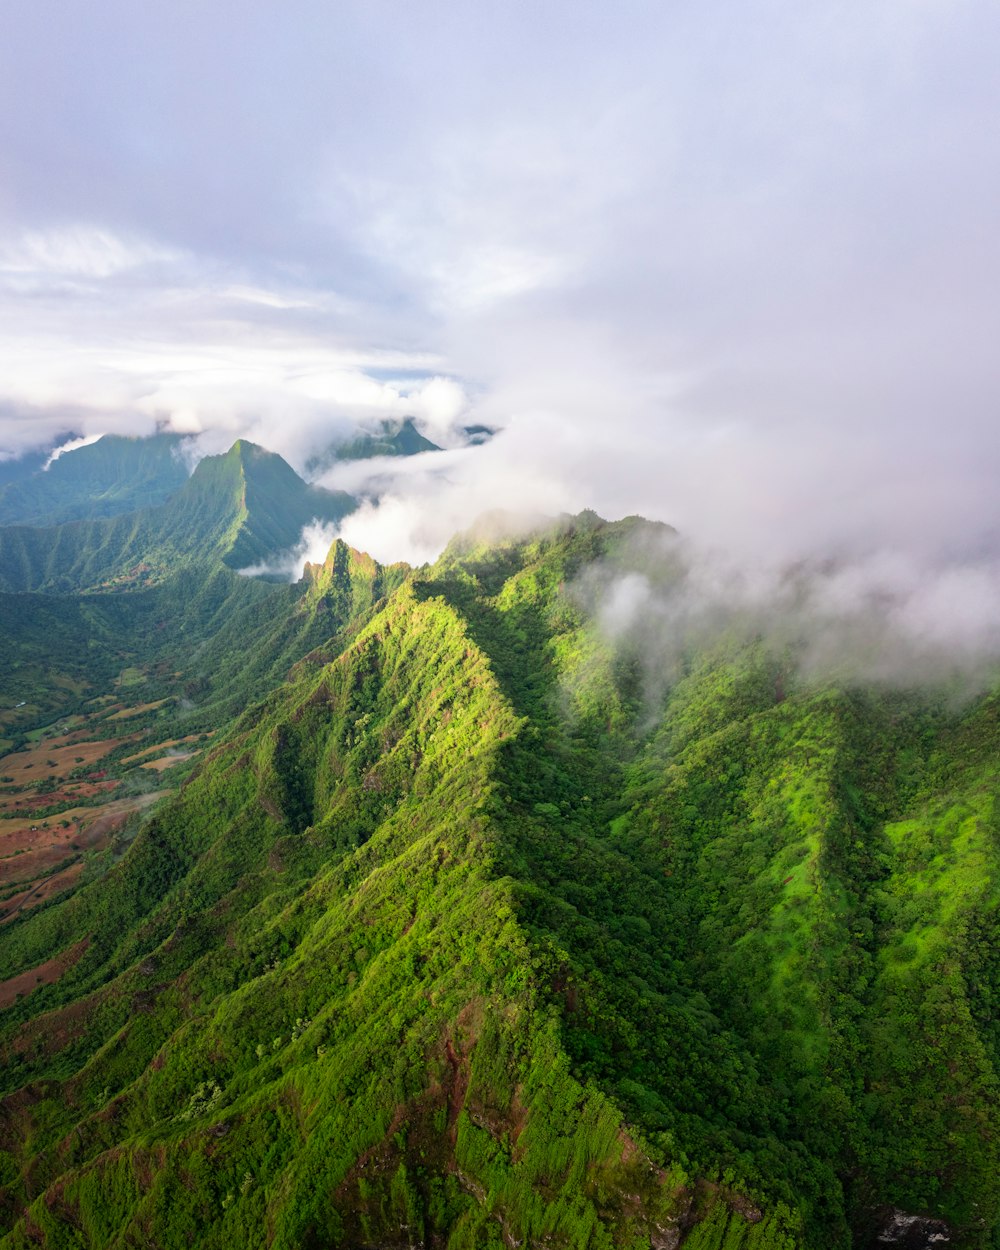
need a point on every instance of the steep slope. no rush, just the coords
(237, 509)
(112, 476)
(242, 652)
(332, 863)
(465, 938)
(220, 638)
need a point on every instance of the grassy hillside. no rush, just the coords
(208, 640)
(453, 941)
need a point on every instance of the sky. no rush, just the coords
(733, 266)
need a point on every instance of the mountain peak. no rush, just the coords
(243, 449)
(393, 436)
(242, 508)
(259, 500)
(243, 460)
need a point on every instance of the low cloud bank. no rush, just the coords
(314, 543)
(73, 444)
(886, 619)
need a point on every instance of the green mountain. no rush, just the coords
(392, 437)
(240, 509)
(469, 935)
(106, 478)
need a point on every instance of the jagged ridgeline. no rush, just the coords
(464, 938)
(240, 509)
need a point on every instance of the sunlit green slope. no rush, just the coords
(472, 935)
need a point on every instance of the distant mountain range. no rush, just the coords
(118, 474)
(239, 509)
(390, 438)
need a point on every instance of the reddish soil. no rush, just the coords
(45, 974)
(48, 851)
(23, 832)
(42, 855)
(36, 894)
(56, 758)
(38, 862)
(34, 802)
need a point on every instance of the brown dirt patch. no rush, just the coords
(24, 832)
(45, 889)
(28, 802)
(34, 863)
(160, 746)
(45, 974)
(127, 713)
(56, 758)
(29, 851)
(168, 761)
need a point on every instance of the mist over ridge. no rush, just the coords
(903, 615)
(733, 273)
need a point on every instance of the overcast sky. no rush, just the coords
(733, 265)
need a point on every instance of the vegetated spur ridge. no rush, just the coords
(455, 941)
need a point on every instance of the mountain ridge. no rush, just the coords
(238, 509)
(539, 973)
(390, 438)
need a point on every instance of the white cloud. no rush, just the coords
(82, 251)
(438, 405)
(733, 271)
(72, 445)
(312, 547)
(887, 618)
(181, 361)
(425, 500)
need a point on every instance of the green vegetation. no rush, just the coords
(240, 509)
(106, 478)
(449, 940)
(392, 437)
